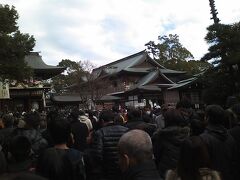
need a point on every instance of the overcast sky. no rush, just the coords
(102, 31)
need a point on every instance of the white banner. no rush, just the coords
(4, 90)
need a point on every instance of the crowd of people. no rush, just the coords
(163, 143)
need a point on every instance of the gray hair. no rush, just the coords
(136, 144)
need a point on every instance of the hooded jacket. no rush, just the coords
(166, 147)
(222, 150)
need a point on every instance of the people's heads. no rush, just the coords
(198, 123)
(106, 116)
(215, 114)
(119, 119)
(116, 109)
(22, 176)
(20, 148)
(193, 155)
(81, 112)
(147, 110)
(74, 114)
(236, 110)
(135, 147)
(60, 130)
(184, 104)
(32, 119)
(133, 115)
(231, 100)
(90, 113)
(51, 115)
(8, 120)
(173, 118)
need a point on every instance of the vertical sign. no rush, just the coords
(4, 90)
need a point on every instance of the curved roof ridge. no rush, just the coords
(122, 59)
(161, 74)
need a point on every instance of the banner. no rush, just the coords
(4, 90)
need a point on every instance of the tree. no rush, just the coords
(14, 46)
(191, 67)
(168, 48)
(170, 53)
(224, 43)
(72, 74)
(224, 53)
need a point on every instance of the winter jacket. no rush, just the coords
(144, 171)
(87, 121)
(80, 134)
(105, 150)
(166, 147)
(235, 132)
(61, 164)
(139, 124)
(222, 150)
(205, 173)
(4, 138)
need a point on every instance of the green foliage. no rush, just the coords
(191, 67)
(8, 19)
(72, 75)
(224, 52)
(218, 86)
(224, 43)
(14, 45)
(168, 48)
(170, 53)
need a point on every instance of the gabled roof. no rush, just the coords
(126, 64)
(152, 76)
(183, 83)
(34, 60)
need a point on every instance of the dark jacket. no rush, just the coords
(222, 149)
(139, 124)
(166, 147)
(80, 134)
(4, 138)
(61, 164)
(235, 132)
(4, 133)
(143, 171)
(105, 150)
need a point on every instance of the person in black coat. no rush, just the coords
(235, 131)
(31, 131)
(136, 156)
(167, 142)
(104, 150)
(221, 145)
(80, 132)
(136, 121)
(61, 162)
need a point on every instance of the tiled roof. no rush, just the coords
(126, 64)
(183, 83)
(66, 98)
(34, 60)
